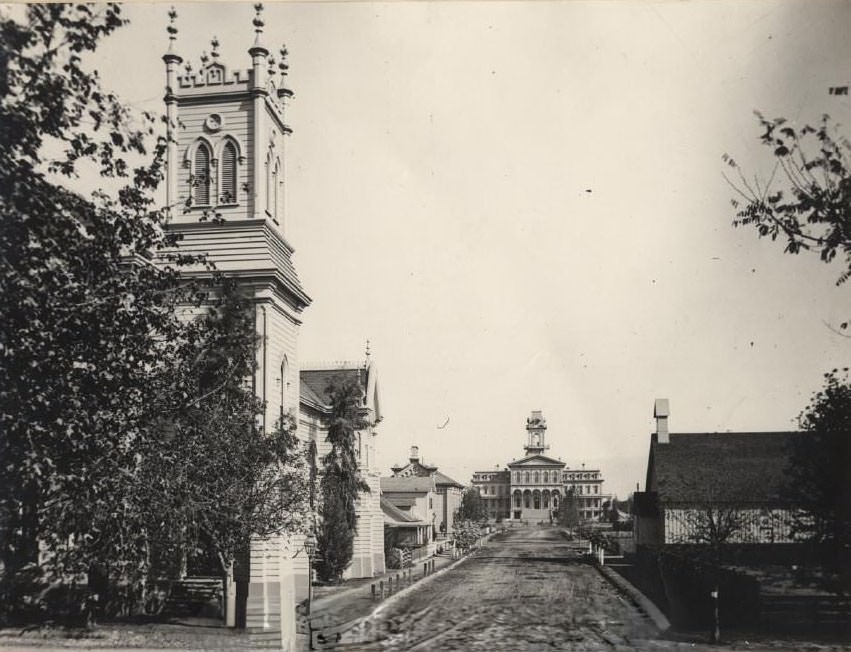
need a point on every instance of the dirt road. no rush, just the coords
(525, 590)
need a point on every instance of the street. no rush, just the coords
(525, 590)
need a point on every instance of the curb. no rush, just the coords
(644, 603)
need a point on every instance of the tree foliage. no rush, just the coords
(818, 479)
(568, 510)
(341, 482)
(472, 506)
(807, 199)
(126, 431)
(88, 329)
(467, 533)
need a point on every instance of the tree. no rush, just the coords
(811, 210)
(568, 512)
(472, 506)
(213, 479)
(818, 483)
(466, 534)
(126, 432)
(89, 332)
(708, 523)
(341, 482)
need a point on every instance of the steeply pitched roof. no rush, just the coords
(310, 396)
(395, 516)
(727, 467)
(317, 381)
(410, 484)
(532, 460)
(441, 479)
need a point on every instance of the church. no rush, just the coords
(225, 188)
(530, 489)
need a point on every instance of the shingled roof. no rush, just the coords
(315, 382)
(443, 479)
(410, 484)
(395, 517)
(729, 467)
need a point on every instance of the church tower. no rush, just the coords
(225, 195)
(536, 432)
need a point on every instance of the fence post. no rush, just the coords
(425, 569)
(373, 591)
(381, 584)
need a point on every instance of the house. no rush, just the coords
(314, 420)
(737, 476)
(447, 498)
(414, 496)
(408, 530)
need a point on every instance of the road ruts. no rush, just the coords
(525, 590)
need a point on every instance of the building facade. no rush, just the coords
(738, 477)
(315, 416)
(224, 193)
(532, 488)
(495, 491)
(447, 497)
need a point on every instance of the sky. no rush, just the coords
(521, 205)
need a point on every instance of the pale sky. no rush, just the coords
(438, 180)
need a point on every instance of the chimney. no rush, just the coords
(415, 454)
(661, 412)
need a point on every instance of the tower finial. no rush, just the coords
(171, 29)
(367, 349)
(258, 21)
(215, 45)
(283, 66)
(204, 59)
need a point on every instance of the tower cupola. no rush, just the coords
(536, 431)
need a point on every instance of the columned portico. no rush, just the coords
(536, 480)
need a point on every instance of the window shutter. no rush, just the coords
(229, 174)
(202, 175)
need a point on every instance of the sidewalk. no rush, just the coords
(334, 605)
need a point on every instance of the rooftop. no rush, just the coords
(724, 467)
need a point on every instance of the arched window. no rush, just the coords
(201, 175)
(537, 498)
(526, 477)
(227, 193)
(546, 477)
(537, 477)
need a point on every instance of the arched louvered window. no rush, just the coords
(270, 180)
(201, 175)
(276, 196)
(228, 187)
